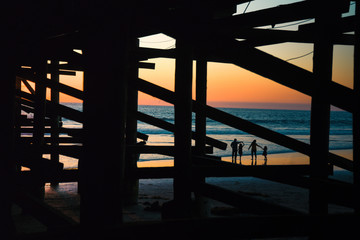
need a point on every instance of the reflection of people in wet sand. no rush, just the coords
(253, 146)
(241, 145)
(234, 146)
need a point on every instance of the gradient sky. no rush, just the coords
(231, 86)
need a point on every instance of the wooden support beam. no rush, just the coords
(28, 86)
(73, 140)
(7, 164)
(343, 25)
(48, 166)
(102, 174)
(67, 73)
(73, 151)
(76, 93)
(356, 113)
(183, 122)
(65, 175)
(146, 53)
(146, 65)
(55, 118)
(170, 127)
(65, 111)
(261, 37)
(320, 109)
(155, 121)
(200, 129)
(131, 184)
(201, 93)
(142, 136)
(27, 158)
(40, 68)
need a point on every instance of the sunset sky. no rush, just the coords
(231, 86)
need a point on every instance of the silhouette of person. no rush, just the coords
(253, 146)
(265, 154)
(234, 146)
(241, 145)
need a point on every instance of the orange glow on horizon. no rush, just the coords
(229, 84)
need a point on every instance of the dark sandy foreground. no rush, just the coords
(154, 192)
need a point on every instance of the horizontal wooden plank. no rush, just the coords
(346, 24)
(146, 65)
(67, 73)
(27, 159)
(260, 37)
(74, 151)
(142, 136)
(276, 15)
(170, 127)
(66, 175)
(29, 140)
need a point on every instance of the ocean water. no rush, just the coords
(292, 123)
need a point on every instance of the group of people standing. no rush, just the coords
(237, 147)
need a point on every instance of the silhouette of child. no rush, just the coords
(265, 153)
(241, 145)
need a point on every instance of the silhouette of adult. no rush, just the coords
(234, 146)
(253, 146)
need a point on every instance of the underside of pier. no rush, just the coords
(44, 40)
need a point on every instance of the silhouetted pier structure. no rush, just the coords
(39, 38)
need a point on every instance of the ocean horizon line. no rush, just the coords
(245, 105)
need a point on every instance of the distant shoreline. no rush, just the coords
(290, 158)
